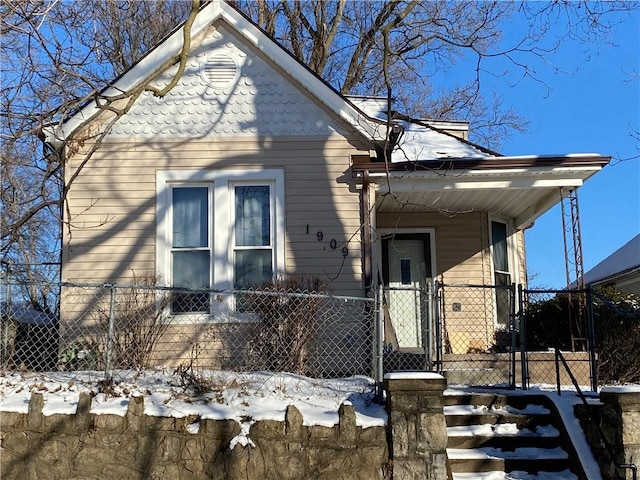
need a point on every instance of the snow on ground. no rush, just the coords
(251, 397)
(621, 389)
(244, 397)
(565, 403)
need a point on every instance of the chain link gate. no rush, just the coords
(466, 332)
(408, 328)
(477, 330)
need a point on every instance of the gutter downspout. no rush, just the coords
(366, 234)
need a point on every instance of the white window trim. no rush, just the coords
(512, 257)
(512, 248)
(222, 213)
(384, 232)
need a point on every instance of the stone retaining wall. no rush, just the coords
(417, 424)
(618, 416)
(137, 446)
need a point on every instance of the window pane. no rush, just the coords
(499, 239)
(190, 270)
(252, 268)
(253, 216)
(405, 271)
(190, 217)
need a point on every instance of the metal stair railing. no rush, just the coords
(608, 447)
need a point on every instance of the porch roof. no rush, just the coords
(521, 187)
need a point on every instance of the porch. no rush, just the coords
(490, 336)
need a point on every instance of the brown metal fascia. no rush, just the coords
(499, 163)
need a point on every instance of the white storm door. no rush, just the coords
(407, 277)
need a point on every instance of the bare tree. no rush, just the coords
(343, 41)
(58, 54)
(55, 56)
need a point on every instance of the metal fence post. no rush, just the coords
(428, 327)
(591, 339)
(512, 332)
(524, 366)
(5, 320)
(438, 324)
(111, 328)
(556, 348)
(378, 348)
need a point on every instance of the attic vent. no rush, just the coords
(220, 71)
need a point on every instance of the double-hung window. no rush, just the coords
(190, 256)
(217, 231)
(502, 249)
(253, 245)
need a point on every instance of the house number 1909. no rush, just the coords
(333, 243)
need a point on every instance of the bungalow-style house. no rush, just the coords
(252, 167)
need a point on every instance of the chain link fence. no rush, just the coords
(110, 328)
(477, 334)
(616, 323)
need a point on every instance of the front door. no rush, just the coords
(406, 271)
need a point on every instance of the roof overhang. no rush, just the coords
(630, 275)
(166, 53)
(521, 188)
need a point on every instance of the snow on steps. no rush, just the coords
(495, 437)
(516, 475)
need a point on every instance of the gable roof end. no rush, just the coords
(155, 61)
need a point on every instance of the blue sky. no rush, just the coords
(591, 108)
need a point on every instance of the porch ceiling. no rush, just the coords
(519, 204)
(523, 193)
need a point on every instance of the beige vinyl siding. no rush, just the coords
(460, 244)
(462, 258)
(522, 258)
(112, 204)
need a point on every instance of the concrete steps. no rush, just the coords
(476, 369)
(495, 436)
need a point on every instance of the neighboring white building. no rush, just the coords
(621, 269)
